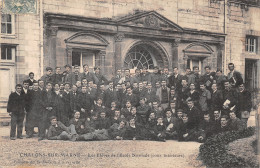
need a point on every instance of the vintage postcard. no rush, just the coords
(129, 83)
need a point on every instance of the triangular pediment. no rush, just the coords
(150, 19)
(90, 38)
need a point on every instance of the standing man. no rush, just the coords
(57, 77)
(101, 78)
(67, 74)
(205, 97)
(31, 79)
(234, 77)
(47, 111)
(48, 76)
(88, 75)
(175, 79)
(244, 104)
(15, 108)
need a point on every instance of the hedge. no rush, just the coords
(213, 152)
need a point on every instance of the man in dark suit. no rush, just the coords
(230, 98)
(27, 100)
(110, 95)
(88, 75)
(66, 74)
(31, 79)
(57, 77)
(15, 108)
(216, 100)
(48, 109)
(175, 79)
(234, 77)
(208, 77)
(193, 114)
(244, 104)
(132, 97)
(74, 76)
(74, 99)
(86, 103)
(101, 78)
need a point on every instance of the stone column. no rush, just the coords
(118, 53)
(175, 54)
(101, 55)
(53, 35)
(220, 56)
(69, 56)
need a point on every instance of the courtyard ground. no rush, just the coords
(146, 154)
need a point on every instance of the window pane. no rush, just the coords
(3, 28)
(9, 28)
(4, 19)
(3, 53)
(88, 58)
(75, 58)
(8, 17)
(9, 53)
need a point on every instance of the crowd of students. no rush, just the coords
(158, 106)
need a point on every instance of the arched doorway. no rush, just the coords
(145, 54)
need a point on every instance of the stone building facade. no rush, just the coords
(115, 34)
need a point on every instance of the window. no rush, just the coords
(7, 24)
(251, 44)
(83, 57)
(195, 61)
(138, 57)
(7, 53)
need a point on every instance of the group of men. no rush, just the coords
(148, 106)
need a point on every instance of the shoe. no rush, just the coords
(74, 138)
(20, 137)
(29, 136)
(40, 139)
(12, 138)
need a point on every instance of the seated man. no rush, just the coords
(205, 128)
(235, 124)
(224, 124)
(58, 131)
(159, 130)
(132, 131)
(78, 123)
(186, 131)
(117, 131)
(91, 130)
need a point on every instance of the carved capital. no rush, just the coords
(53, 30)
(176, 42)
(119, 37)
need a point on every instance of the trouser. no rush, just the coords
(164, 105)
(68, 136)
(87, 136)
(44, 122)
(17, 121)
(101, 134)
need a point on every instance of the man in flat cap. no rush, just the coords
(47, 77)
(101, 78)
(66, 74)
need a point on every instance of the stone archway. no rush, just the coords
(145, 54)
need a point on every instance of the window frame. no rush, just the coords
(13, 53)
(13, 32)
(81, 58)
(251, 44)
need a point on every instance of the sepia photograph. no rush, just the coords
(130, 83)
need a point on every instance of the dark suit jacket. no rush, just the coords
(216, 100)
(57, 78)
(244, 101)
(109, 97)
(176, 82)
(89, 76)
(16, 103)
(30, 82)
(85, 101)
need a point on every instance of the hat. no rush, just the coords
(48, 68)
(179, 110)
(67, 66)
